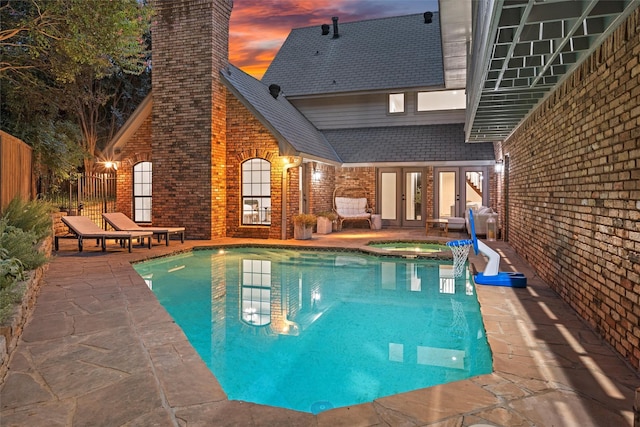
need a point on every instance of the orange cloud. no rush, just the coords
(259, 27)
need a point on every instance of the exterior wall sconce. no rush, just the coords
(499, 166)
(109, 165)
(316, 175)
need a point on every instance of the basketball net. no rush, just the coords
(460, 250)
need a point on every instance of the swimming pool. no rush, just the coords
(314, 330)
(411, 247)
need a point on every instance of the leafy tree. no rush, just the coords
(71, 61)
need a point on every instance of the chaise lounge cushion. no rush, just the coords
(348, 207)
(82, 227)
(121, 222)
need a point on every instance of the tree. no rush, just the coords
(64, 58)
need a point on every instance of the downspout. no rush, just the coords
(285, 193)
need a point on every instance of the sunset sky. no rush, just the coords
(259, 27)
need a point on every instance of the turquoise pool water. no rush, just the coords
(314, 330)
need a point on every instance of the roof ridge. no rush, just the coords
(364, 20)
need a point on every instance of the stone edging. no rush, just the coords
(11, 331)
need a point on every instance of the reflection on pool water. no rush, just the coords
(417, 247)
(315, 330)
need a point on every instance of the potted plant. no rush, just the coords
(325, 221)
(303, 226)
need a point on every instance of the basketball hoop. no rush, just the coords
(460, 250)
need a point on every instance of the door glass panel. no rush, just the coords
(388, 205)
(413, 196)
(446, 194)
(473, 189)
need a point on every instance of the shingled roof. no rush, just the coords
(411, 144)
(296, 135)
(378, 54)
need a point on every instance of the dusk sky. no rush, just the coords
(259, 27)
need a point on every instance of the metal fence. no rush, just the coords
(86, 195)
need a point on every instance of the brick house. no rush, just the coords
(341, 108)
(554, 87)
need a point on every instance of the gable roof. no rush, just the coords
(428, 145)
(130, 127)
(378, 54)
(294, 132)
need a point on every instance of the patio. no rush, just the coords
(100, 350)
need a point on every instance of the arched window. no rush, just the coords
(256, 192)
(142, 192)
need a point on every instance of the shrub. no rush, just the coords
(11, 269)
(308, 220)
(11, 273)
(331, 216)
(9, 297)
(22, 227)
(21, 244)
(33, 216)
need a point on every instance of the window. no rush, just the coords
(256, 292)
(396, 103)
(256, 192)
(441, 100)
(142, 192)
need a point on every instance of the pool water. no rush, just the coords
(417, 247)
(315, 330)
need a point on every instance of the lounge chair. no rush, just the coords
(82, 227)
(121, 222)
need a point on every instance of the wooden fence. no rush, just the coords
(16, 170)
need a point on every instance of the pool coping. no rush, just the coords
(540, 376)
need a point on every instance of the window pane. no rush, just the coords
(441, 100)
(256, 190)
(142, 188)
(396, 103)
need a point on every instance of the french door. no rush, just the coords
(402, 199)
(459, 188)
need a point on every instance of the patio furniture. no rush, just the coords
(82, 227)
(456, 223)
(350, 204)
(121, 222)
(439, 222)
(480, 216)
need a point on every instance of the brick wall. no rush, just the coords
(359, 177)
(190, 47)
(247, 138)
(574, 190)
(428, 184)
(136, 150)
(320, 192)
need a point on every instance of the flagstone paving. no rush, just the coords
(99, 350)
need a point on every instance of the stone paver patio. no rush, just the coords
(99, 350)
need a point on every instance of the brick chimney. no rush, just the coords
(190, 47)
